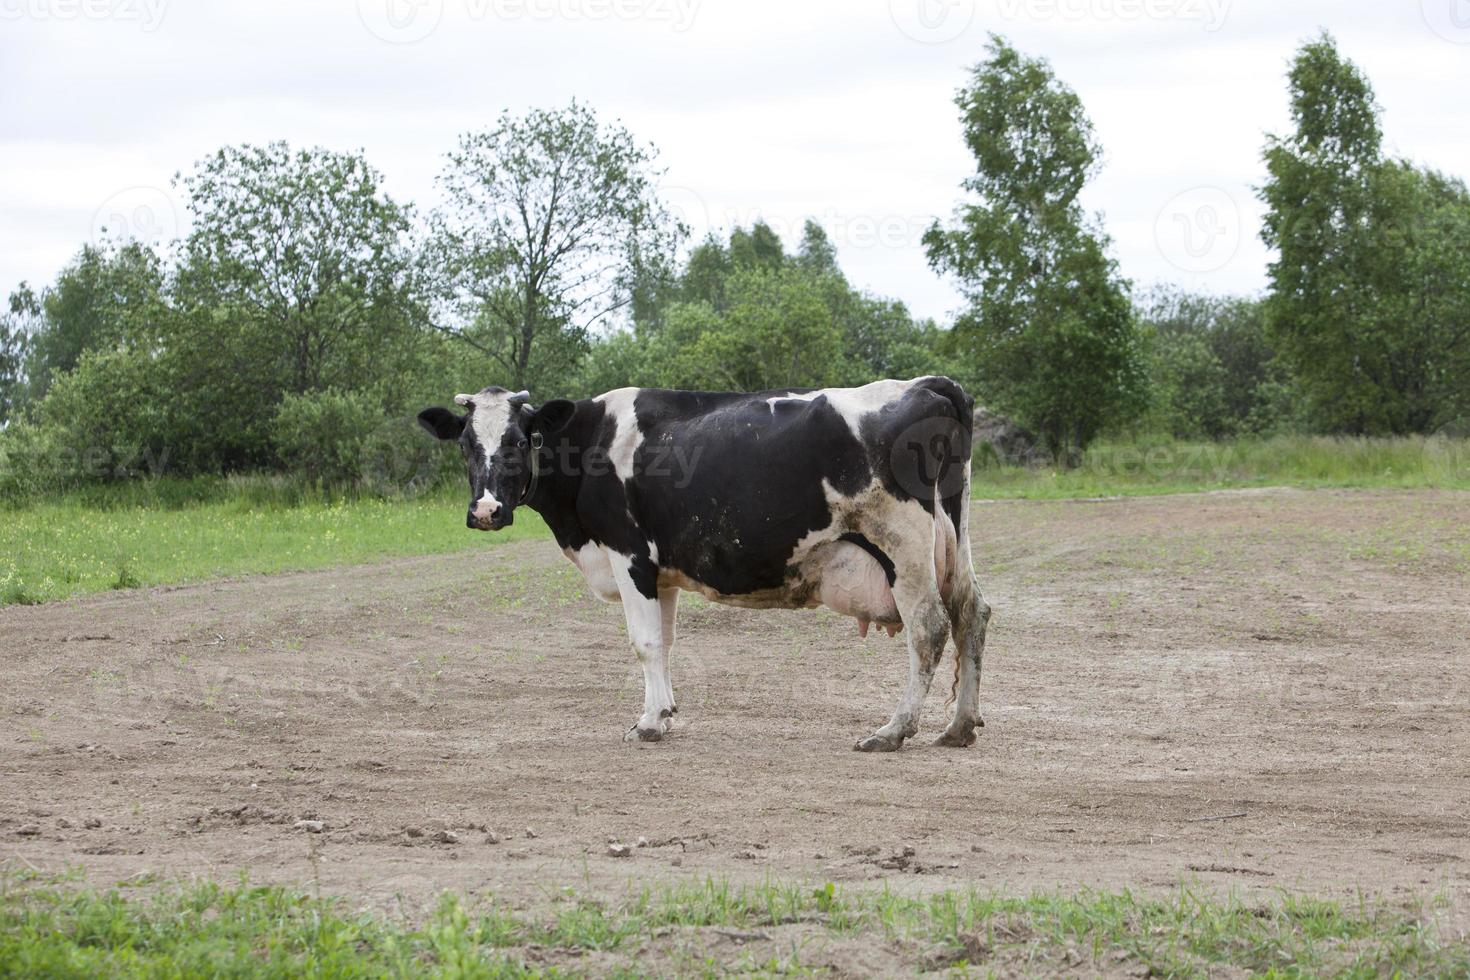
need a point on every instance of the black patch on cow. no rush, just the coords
(879, 555)
(725, 485)
(729, 483)
(442, 423)
(921, 445)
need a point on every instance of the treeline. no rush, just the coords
(307, 314)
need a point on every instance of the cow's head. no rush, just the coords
(500, 436)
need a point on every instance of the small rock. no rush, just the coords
(491, 837)
(619, 850)
(91, 823)
(28, 830)
(311, 826)
(531, 833)
(746, 855)
(908, 851)
(446, 837)
(414, 831)
(976, 848)
(677, 862)
(643, 842)
(820, 856)
(64, 823)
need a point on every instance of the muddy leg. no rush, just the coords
(927, 628)
(969, 615)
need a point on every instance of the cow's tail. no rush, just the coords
(956, 506)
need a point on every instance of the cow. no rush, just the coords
(856, 499)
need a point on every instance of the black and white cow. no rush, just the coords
(852, 498)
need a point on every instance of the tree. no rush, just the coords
(16, 328)
(816, 254)
(111, 295)
(296, 277)
(1049, 330)
(550, 224)
(305, 248)
(1367, 302)
(1211, 372)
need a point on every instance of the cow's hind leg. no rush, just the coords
(968, 615)
(651, 631)
(926, 624)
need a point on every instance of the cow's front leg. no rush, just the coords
(652, 641)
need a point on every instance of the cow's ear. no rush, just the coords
(442, 423)
(554, 416)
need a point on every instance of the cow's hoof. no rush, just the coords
(878, 743)
(636, 734)
(957, 739)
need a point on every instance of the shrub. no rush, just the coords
(322, 435)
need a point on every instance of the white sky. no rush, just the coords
(784, 110)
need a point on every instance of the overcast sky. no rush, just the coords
(840, 111)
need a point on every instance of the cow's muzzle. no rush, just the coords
(501, 518)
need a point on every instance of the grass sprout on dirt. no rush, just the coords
(55, 927)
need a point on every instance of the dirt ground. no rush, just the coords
(1253, 690)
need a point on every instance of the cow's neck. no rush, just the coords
(555, 494)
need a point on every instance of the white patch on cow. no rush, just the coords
(853, 404)
(626, 435)
(646, 630)
(592, 561)
(490, 419)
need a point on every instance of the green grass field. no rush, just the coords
(1123, 469)
(140, 536)
(171, 531)
(60, 929)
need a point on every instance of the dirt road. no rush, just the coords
(1254, 690)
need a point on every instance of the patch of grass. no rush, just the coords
(166, 532)
(55, 928)
(1165, 466)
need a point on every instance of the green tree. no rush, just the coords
(109, 296)
(1211, 371)
(17, 325)
(296, 277)
(758, 248)
(816, 255)
(747, 315)
(1367, 301)
(551, 223)
(1049, 331)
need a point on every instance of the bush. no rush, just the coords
(322, 435)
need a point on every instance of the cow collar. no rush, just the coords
(537, 440)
